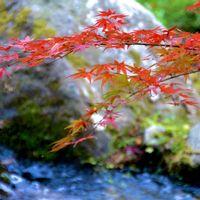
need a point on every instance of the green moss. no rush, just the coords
(22, 16)
(121, 139)
(40, 29)
(136, 56)
(2, 5)
(19, 20)
(5, 18)
(77, 61)
(25, 133)
(173, 142)
(13, 23)
(54, 85)
(31, 133)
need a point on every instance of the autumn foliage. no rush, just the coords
(177, 53)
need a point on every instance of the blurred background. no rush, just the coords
(172, 13)
(155, 153)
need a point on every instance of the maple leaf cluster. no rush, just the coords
(178, 54)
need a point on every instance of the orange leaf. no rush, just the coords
(168, 89)
(60, 144)
(82, 73)
(77, 125)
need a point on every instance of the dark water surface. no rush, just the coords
(36, 181)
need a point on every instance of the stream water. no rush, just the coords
(36, 181)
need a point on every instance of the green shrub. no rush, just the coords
(172, 13)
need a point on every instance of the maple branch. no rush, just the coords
(126, 43)
(183, 74)
(149, 44)
(167, 79)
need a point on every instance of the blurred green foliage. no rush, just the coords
(173, 141)
(173, 13)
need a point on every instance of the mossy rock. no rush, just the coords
(15, 23)
(31, 133)
(43, 110)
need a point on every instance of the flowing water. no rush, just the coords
(36, 181)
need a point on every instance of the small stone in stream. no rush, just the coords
(37, 173)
